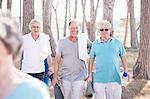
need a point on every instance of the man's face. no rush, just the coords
(35, 28)
(73, 29)
(105, 31)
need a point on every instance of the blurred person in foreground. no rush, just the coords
(107, 51)
(13, 83)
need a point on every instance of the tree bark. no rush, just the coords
(56, 19)
(47, 25)
(9, 5)
(75, 9)
(126, 24)
(91, 25)
(83, 3)
(1, 4)
(134, 40)
(91, 33)
(43, 2)
(69, 9)
(142, 66)
(108, 6)
(66, 14)
(28, 14)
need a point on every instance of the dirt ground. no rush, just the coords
(135, 89)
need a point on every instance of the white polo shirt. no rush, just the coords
(34, 53)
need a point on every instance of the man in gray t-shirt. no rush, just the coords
(73, 69)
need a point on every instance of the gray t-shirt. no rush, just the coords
(72, 68)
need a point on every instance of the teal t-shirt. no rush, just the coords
(107, 55)
(30, 89)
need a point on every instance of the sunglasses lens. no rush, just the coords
(101, 29)
(104, 29)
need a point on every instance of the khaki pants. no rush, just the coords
(107, 90)
(72, 90)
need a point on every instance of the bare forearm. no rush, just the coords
(56, 67)
(90, 66)
(49, 61)
(124, 63)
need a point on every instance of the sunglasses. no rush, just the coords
(104, 29)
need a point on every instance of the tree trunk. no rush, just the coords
(9, 5)
(65, 21)
(56, 19)
(43, 2)
(28, 14)
(83, 3)
(134, 40)
(90, 26)
(1, 4)
(108, 6)
(91, 33)
(126, 25)
(69, 9)
(20, 21)
(93, 13)
(47, 25)
(142, 66)
(75, 9)
(83, 24)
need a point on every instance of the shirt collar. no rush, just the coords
(101, 41)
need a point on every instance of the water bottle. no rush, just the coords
(125, 78)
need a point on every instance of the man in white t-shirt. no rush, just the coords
(36, 48)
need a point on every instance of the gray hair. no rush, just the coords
(10, 34)
(102, 23)
(34, 21)
(75, 21)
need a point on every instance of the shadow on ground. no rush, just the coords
(133, 88)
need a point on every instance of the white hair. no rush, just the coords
(103, 23)
(34, 21)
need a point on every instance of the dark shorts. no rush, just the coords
(39, 76)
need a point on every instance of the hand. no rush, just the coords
(56, 80)
(89, 78)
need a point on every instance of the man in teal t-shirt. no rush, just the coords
(107, 51)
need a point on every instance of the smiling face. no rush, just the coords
(104, 30)
(73, 29)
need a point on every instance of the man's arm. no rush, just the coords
(50, 66)
(90, 68)
(56, 68)
(124, 63)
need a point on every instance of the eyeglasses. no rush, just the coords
(104, 29)
(35, 27)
